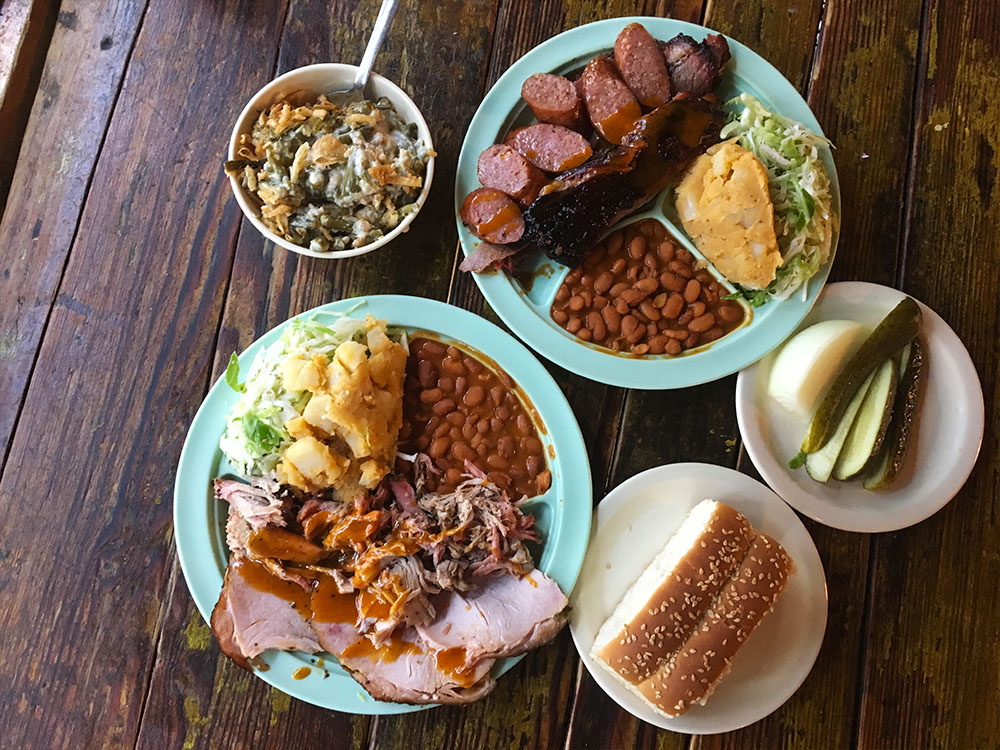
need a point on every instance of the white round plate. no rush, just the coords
(937, 463)
(634, 522)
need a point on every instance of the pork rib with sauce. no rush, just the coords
(567, 222)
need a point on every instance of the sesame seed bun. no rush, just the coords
(691, 675)
(666, 603)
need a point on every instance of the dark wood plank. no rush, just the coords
(442, 67)
(120, 373)
(930, 678)
(25, 30)
(862, 94)
(82, 74)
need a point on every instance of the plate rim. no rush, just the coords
(658, 373)
(748, 418)
(192, 532)
(620, 497)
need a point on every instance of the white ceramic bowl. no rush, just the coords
(315, 80)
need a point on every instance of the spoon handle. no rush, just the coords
(382, 23)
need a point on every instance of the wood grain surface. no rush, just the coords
(128, 276)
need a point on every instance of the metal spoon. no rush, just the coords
(357, 90)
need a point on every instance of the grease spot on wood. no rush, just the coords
(280, 703)
(197, 634)
(195, 721)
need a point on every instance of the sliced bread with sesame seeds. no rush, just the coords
(691, 675)
(665, 604)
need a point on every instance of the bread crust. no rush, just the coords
(675, 607)
(693, 672)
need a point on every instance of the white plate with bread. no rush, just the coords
(698, 617)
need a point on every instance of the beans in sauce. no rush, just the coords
(640, 292)
(457, 409)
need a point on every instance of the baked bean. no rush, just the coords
(702, 323)
(455, 433)
(443, 430)
(524, 425)
(660, 300)
(562, 293)
(621, 306)
(676, 333)
(430, 396)
(637, 247)
(612, 319)
(452, 365)
(432, 348)
(496, 424)
(640, 348)
(599, 302)
(650, 261)
(712, 334)
(673, 347)
(647, 286)
(692, 290)
(461, 384)
(629, 325)
(681, 269)
(474, 396)
(672, 282)
(534, 465)
(633, 273)
(615, 242)
(573, 324)
(619, 266)
(685, 317)
(478, 444)
(632, 297)
(585, 334)
(691, 341)
(652, 329)
(469, 431)
(559, 316)
(636, 335)
(675, 303)
(531, 445)
(574, 276)
(505, 446)
(586, 280)
(443, 406)
(496, 461)
(588, 297)
(684, 255)
(665, 250)
(649, 310)
(463, 452)
(698, 308)
(730, 313)
(576, 303)
(617, 289)
(426, 373)
(658, 344)
(604, 282)
(595, 322)
(482, 426)
(438, 447)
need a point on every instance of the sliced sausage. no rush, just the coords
(551, 148)
(610, 104)
(503, 168)
(642, 66)
(493, 216)
(554, 100)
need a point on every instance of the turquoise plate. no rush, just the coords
(525, 307)
(563, 513)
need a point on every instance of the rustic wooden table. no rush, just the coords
(128, 275)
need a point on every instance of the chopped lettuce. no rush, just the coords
(255, 435)
(799, 187)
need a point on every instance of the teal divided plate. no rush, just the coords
(525, 306)
(562, 514)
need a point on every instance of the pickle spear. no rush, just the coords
(889, 459)
(896, 330)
